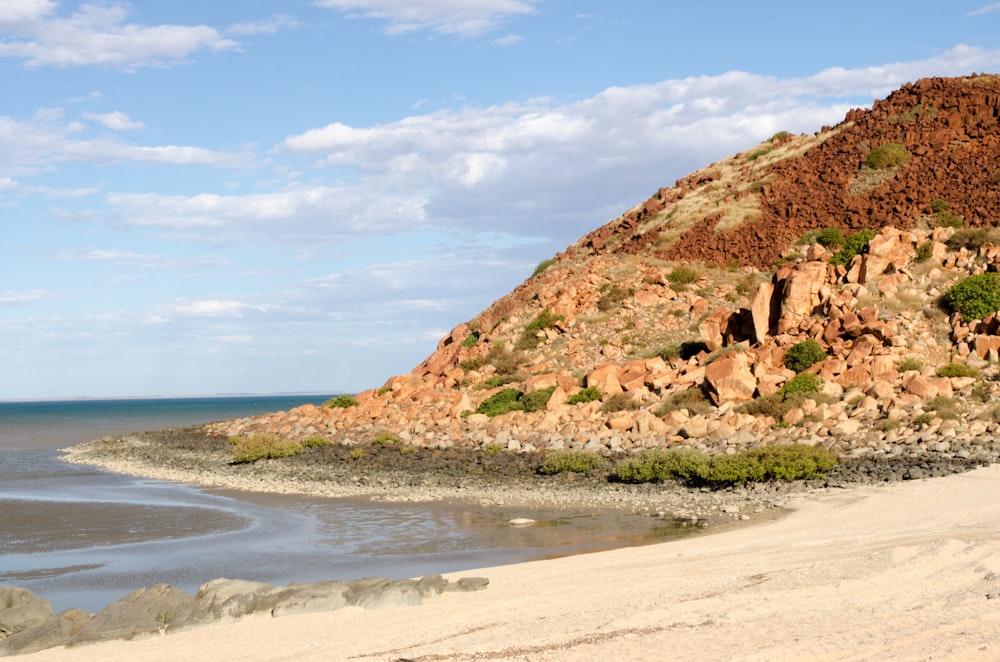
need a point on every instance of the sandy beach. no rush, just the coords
(907, 571)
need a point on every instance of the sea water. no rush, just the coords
(85, 537)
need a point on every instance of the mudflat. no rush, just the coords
(902, 571)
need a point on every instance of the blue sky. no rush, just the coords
(263, 196)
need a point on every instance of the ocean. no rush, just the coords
(85, 537)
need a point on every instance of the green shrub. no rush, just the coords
(831, 237)
(888, 155)
(619, 402)
(856, 244)
(262, 447)
(658, 464)
(475, 363)
(505, 362)
(779, 462)
(536, 400)
(316, 440)
(529, 337)
(804, 354)
(975, 297)
(612, 296)
(945, 219)
(972, 239)
(501, 402)
(693, 399)
(384, 439)
(756, 154)
(683, 275)
(685, 350)
(384, 390)
(909, 363)
(589, 394)
(499, 379)
(957, 370)
(938, 204)
(923, 419)
(341, 402)
(558, 462)
(780, 136)
(470, 340)
(924, 251)
(543, 265)
(804, 382)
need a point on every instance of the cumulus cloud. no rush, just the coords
(466, 18)
(31, 31)
(116, 121)
(208, 308)
(268, 26)
(47, 139)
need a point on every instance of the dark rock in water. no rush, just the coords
(309, 598)
(59, 630)
(141, 613)
(20, 609)
(392, 594)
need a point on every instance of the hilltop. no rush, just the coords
(672, 324)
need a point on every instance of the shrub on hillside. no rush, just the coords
(683, 275)
(972, 239)
(536, 400)
(957, 370)
(802, 383)
(530, 337)
(975, 297)
(543, 265)
(341, 402)
(619, 402)
(856, 244)
(501, 402)
(589, 394)
(804, 354)
(612, 295)
(888, 155)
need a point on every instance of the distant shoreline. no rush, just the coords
(192, 456)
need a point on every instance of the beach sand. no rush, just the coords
(907, 571)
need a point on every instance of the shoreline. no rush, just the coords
(903, 571)
(194, 457)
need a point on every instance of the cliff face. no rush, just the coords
(680, 312)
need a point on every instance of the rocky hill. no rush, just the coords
(674, 323)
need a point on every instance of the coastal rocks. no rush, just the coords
(58, 630)
(166, 609)
(21, 610)
(142, 613)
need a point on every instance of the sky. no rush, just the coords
(263, 196)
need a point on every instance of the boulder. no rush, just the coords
(20, 609)
(729, 379)
(142, 613)
(309, 598)
(58, 630)
(799, 285)
(226, 601)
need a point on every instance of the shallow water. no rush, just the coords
(84, 537)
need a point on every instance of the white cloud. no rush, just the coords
(985, 10)
(13, 12)
(47, 139)
(116, 121)
(269, 26)
(139, 260)
(508, 40)
(24, 297)
(209, 308)
(98, 35)
(467, 18)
